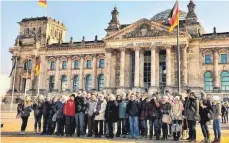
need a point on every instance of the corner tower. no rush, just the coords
(43, 29)
(114, 24)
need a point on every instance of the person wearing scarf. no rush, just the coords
(165, 110)
(99, 111)
(37, 108)
(177, 117)
(47, 107)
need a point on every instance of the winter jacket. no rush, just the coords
(111, 111)
(58, 108)
(191, 109)
(80, 104)
(176, 111)
(133, 108)
(205, 111)
(216, 112)
(165, 108)
(122, 109)
(69, 108)
(46, 108)
(90, 107)
(101, 113)
(152, 111)
(143, 104)
(24, 110)
(37, 108)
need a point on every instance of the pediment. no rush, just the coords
(143, 28)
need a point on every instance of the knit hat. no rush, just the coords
(177, 98)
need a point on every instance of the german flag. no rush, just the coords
(43, 3)
(37, 68)
(174, 17)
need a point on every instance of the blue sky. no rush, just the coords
(91, 18)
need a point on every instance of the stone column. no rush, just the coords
(94, 72)
(216, 70)
(122, 67)
(153, 87)
(185, 66)
(168, 66)
(141, 75)
(70, 81)
(107, 68)
(81, 79)
(137, 68)
(57, 64)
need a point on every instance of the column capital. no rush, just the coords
(122, 49)
(168, 46)
(82, 56)
(108, 50)
(94, 55)
(215, 50)
(153, 47)
(137, 49)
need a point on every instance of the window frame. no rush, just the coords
(87, 64)
(208, 87)
(210, 58)
(75, 85)
(223, 54)
(64, 65)
(100, 88)
(75, 64)
(52, 64)
(100, 63)
(224, 87)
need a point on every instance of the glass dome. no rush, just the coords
(164, 15)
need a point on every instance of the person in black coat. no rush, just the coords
(205, 110)
(37, 108)
(46, 110)
(111, 114)
(58, 109)
(80, 113)
(133, 110)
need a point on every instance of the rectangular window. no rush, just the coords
(208, 59)
(88, 64)
(101, 63)
(76, 64)
(52, 66)
(64, 65)
(223, 58)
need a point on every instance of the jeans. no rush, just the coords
(37, 121)
(144, 127)
(134, 130)
(192, 129)
(176, 135)
(157, 127)
(60, 126)
(24, 122)
(69, 128)
(121, 126)
(80, 123)
(100, 123)
(205, 130)
(217, 128)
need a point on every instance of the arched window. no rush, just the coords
(75, 83)
(208, 81)
(76, 64)
(28, 65)
(101, 82)
(51, 83)
(101, 63)
(88, 83)
(52, 65)
(64, 83)
(224, 80)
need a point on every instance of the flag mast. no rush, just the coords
(12, 96)
(178, 51)
(27, 72)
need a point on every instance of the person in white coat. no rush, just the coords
(99, 112)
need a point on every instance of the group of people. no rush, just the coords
(137, 115)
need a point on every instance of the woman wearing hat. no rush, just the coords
(23, 110)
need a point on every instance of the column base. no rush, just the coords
(138, 89)
(152, 90)
(216, 89)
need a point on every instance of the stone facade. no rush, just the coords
(123, 51)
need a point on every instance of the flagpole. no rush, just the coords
(12, 96)
(27, 72)
(38, 88)
(178, 52)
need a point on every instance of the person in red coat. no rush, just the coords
(69, 112)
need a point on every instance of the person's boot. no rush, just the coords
(174, 136)
(35, 130)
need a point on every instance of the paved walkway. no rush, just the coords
(9, 134)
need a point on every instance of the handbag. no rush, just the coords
(166, 119)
